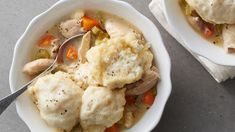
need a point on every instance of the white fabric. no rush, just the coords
(220, 73)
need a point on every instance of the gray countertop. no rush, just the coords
(197, 102)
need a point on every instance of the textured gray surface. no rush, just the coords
(197, 102)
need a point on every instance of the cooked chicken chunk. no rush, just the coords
(58, 99)
(101, 106)
(84, 47)
(70, 28)
(55, 47)
(116, 27)
(149, 79)
(37, 66)
(229, 38)
(128, 119)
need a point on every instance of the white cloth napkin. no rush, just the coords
(220, 73)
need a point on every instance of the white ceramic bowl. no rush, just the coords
(25, 107)
(191, 38)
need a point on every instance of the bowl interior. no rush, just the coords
(25, 107)
(192, 39)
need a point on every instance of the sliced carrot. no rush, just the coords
(130, 100)
(148, 98)
(88, 23)
(208, 32)
(113, 128)
(45, 40)
(72, 54)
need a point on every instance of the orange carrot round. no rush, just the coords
(148, 98)
(45, 40)
(207, 32)
(113, 128)
(88, 23)
(72, 54)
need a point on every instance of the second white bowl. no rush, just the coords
(191, 38)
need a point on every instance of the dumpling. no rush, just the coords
(84, 76)
(58, 99)
(215, 11)
(229, 38)
(101, 107)
(112, 64)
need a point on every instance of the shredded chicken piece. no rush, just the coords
(84, 47)
(150, 78)
(116, 27)
(37, 66)
(55, 47)
(128, 119)
(228, 37)
(70, 28)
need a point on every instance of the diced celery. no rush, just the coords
(100, 34)
(219, 28)
(188, 10)
(42, 53)
(95, 30)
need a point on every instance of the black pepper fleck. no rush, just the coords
(63, 91)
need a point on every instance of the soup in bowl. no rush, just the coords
(111, 78)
